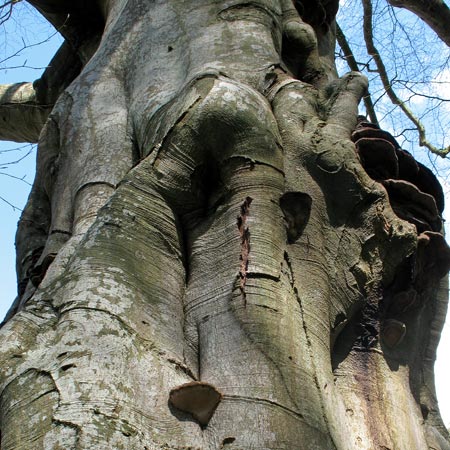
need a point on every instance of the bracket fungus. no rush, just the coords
(378, 157)
(383, 159)
(393, 331)
(197, 398)
(433, 254)
(404, 300)
(296, 207)
(366, 130)
(408, 168)
(413, 205)
(428, 183)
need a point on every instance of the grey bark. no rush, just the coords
(24, 107)
(201, 221)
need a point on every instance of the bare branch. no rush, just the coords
(435, 13)
(4, 165)
(24, 107)
(387, 83)
(353, 65)
(80, 23)
(5, 15)
(15, 178)
(14, 207)
(21, 117)
(25, 46)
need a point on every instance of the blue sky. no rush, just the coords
(26, 27)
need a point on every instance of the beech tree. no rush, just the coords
(217, 252)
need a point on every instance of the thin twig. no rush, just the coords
(15, 208)
(16, 178)
(353, 65)
(16, 161)
(26, 46)
(387, 83)
(5, 16)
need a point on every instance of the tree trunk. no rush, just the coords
(207, 260)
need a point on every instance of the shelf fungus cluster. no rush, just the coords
(414, 192)
(198, 399)
(415, 196)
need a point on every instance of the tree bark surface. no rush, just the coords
(201, 217)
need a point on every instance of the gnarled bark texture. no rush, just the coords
(215, 254)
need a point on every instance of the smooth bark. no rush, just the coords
(21, 117)
(24, 107)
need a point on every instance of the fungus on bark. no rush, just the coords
(413, 205)
(378, 157)
(376, 149)
(404, 300)
(197, 398)
(393, 331)
(433, 255)
(408, 167)
(371, 131)
(427, 182)
(296, 207)
(382, 158)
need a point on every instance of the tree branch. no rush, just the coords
(79, 22)
(435, 13)
(4, 16)
(21, 117)
(353, 65)
(387, 84)
(24, 107)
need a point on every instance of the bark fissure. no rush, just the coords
(308, 338)
(244, 232)
(265, 401)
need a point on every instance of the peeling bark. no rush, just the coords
(202, 225)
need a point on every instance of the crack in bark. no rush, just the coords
(155, 151)
(182, 367)
(227, 441)
(252, 162)
(308, 340)
(259, 275)
(290, 411)
(71, 425)
(245, 245)
(38, 272)
(57, 231)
